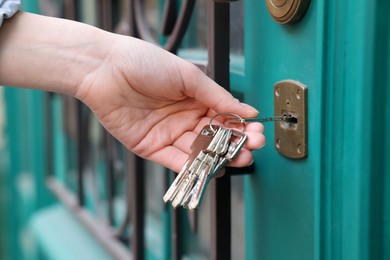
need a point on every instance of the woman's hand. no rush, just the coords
(150, 100)
(156, 103)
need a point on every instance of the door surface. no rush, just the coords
(334, 203)
(282, 194)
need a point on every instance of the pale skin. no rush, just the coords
(152, 101)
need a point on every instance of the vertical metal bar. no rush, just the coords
(49, 135)
(70, 10)
(105, 14)
(81, 152)
(136, 201)
(130, 14)
(136, 174)
(176, 234)
(218, 69)
(110, 152)
(169, 17)
(218, 42)
(176, 227)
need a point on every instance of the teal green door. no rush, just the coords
(334, 203)
(282, 195)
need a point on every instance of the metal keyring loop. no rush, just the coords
(240, 119)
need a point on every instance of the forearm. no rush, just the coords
(49, 53)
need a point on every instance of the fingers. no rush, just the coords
(244, 158)
(205, 90)
(254, 127)
(174, 159)
(254, 131)
(176, 155)
(256, 139)
(170, 157)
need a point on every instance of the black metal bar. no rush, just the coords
(99, 229)
(49, 135)
(176, 227)
(169, 17)
(218, 69)
(136, 200)
(70, 9)
(251, 169)
(130, 14)
(105, 14)
(218, 42)
(177, 235)
(81, 152)
(178, 30)
(110, 182)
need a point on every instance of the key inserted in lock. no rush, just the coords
(290, 101)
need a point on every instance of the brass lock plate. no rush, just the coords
(290, 99)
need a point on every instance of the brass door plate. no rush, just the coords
(290, 99)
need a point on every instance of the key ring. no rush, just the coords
(235, 116)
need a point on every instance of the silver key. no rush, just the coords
(222, 145)
(216, 152)
(208, 161)
(227, 150)
(237, 141)
(219, 138)
(197, 166)
(209, 164)
(201, 142)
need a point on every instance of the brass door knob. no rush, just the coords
(287, 11)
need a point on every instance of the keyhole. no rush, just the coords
(290, 121)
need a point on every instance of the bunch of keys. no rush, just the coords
(213, 148)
